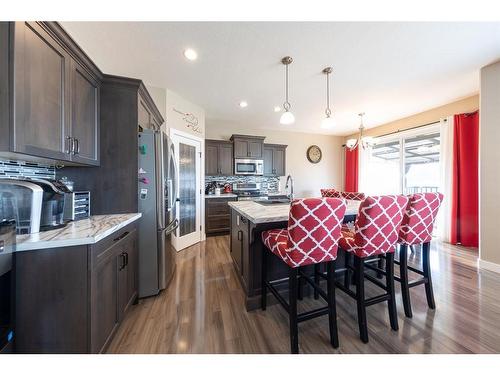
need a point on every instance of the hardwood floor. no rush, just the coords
(203, 311)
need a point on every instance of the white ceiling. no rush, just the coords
(388, 70)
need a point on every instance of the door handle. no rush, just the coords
(240, 235)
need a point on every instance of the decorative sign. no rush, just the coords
(190, 120)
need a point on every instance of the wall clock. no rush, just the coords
(314, 154)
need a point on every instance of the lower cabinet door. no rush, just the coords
(127, 274)
(104, 304)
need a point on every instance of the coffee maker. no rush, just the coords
(35, 204)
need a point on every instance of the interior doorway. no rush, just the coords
(188, 152)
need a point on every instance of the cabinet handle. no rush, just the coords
(123, 235)
(122, 255)
(126, 258)
(77, 149)
(240, 235)
(70, 145)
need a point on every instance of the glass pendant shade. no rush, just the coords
(328, 123)
(287, 118)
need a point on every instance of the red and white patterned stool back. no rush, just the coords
(355, 196)
(330, 193)
(314, 229)
(378, 222)
(419, 218)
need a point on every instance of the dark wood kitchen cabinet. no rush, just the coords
(274, 159)
(239, 245)
(72, 299)
(217, 215)
(116, 177)
(218, 158)
(247, 146)
(54, 95)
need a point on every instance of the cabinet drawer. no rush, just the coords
(109, 246)
(215, 206)
(218, 223)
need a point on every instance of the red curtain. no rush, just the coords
(351, 170)
(465, 184)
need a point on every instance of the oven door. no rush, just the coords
(247, 166)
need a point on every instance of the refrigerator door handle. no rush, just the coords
(170, 193)
(160, 177)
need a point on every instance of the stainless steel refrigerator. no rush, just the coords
(158, 192)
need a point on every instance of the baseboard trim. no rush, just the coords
(490, 266)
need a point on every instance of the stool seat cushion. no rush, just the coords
(352, 195)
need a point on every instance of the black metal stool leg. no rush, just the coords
(292, 292)
(317, 270)
(380, 264)
(403, 275)
(332, 306)
(426, 248)
(347, 273)
(389, 269)
(300, 290)
(263, 298)
(360, 298)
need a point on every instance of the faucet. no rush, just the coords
(289, 182)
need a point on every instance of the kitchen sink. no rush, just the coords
(269, 202)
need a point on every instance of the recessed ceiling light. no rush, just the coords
(243, 104)
(277, 109)
(190, 54)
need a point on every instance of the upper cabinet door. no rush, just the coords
(226, 158)
(279, 161)
(241, 148)
(41, 89)
(211, 159)
(268, 160)
(84, 116)
(144, 114)
(255, 149)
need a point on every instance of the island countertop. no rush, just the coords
(259, 213)
(82, 232)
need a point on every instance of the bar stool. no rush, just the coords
(330, 193)
(375, 232)
(416, 229)
(353, 195)
(312, 237)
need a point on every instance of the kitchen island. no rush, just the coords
(248, 220)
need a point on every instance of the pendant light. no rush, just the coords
(365, 142)
(287, 118)
(328, 122)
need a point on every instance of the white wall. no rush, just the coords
(308, 178)
(175, 120)
(159, 96)
(489, 168)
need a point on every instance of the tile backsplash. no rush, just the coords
(269, 183)
(13, 168)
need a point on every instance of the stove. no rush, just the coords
(249, 191)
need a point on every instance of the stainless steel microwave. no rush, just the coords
(249, 166)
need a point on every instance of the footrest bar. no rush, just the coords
(377, 299)
(376, 281)
(278, 296)
(312, 314)
(417, 282)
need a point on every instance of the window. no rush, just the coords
(406, 162)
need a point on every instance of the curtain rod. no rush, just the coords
(400, 131)
(415, 127)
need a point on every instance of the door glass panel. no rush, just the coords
(421, 164)
(382, 169)
(187, 189)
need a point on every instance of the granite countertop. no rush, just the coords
(258, 213)
(223, 195)
(82, 232)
